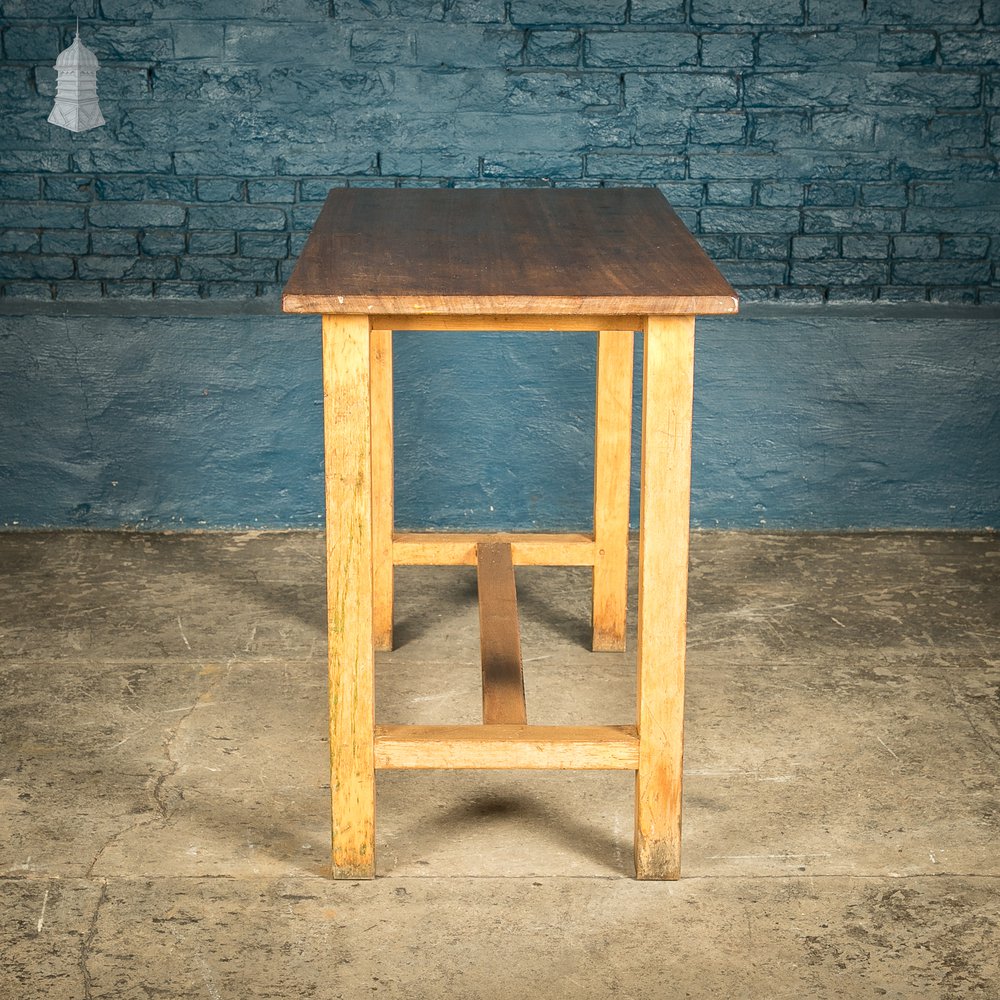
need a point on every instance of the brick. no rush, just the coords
(813, 89)
(732, 193)
(764, 247)
(991, 12)
(730, 51)
(28, 291)
(744, 12)
(919, 247)
(37, 43)
(719, 247)
(214, 243)
(843, 130)
(732, 165)
(574, 12)
(815, 247)
(839, 272)
(227, 269)
(635, 167)
(162, 242)
(65, 241)
(127, 43)
(126, 267)
(977, 49)
(865, 220)
(850, 294)
(114, 241)
(436, 163)
(942, 272)
(19, 187)
(20, 10)
(322, 158)
(780, 194)
(468, 46)
(129, 290)
(641, 49)
(152, 215)
(676, 91)
(829, 193)
(553, 48)
(243, 217)
(938, 132)
(41, 215)
(178, 291)
(255, 43)
(219, 189)
(278, 191)
(296, 242)
(124, 161)
(78, 291)
(21, 241)
(921, 12)
(392, 47)
(198, 40)
(543, 167)
(303, 216)
(953, 220)
(718, 128)
(907, 48)
(837, 12)
(817, 48)
(657, 125)
(68, 188)
(478, 11)
(884, 195)
(359, 10)
(753, 272)
(869, 247)
(965, 246)
(957, 194)
(248, 162)
(317, 188)
(35, 266)
(34, 160)
(683, 194)
(780, 129)
(953, 296)
(270, 245)
(755, 220)
(230, 290)
(927, 89)
(800, 296)
(657, 11)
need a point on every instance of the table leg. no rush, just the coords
(382, 487)
(346, 426)
(612, 478)
(667, 397)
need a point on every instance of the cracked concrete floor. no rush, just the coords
(163, 783)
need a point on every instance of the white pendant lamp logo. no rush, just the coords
(76, 106)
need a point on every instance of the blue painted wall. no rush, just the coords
(822, 149)
(804, 419)
(835, 154)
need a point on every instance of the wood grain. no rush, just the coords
(452, 548)
(346, 421)
(612, 479)
(499, 637)
(382, 487)
(667, 395)
(607, 251)
(598, 748)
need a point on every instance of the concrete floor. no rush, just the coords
(163, 782)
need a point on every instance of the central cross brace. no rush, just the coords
(499, 637)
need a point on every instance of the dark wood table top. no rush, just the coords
(511, 252)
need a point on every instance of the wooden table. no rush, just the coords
(609, 260)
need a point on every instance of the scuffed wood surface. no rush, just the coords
(611, 251)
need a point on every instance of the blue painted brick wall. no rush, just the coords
(840, 150)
